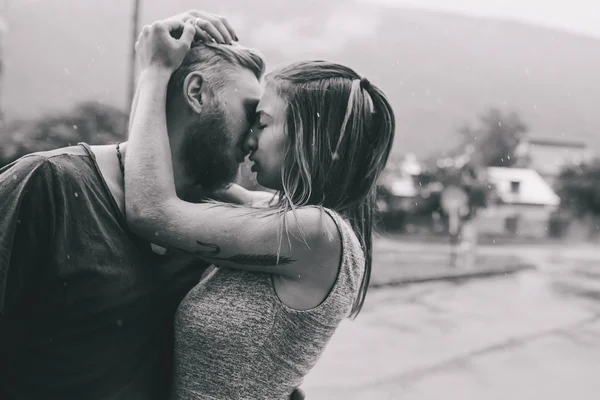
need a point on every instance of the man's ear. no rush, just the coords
(195, 91)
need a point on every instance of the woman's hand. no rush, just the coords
(165, 43)
(209, 27)
(157, 49)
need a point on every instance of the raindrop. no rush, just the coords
(318, 115)
(155, 233)
(68, 257)
(67, 71)
(75, 127)
(119, 322)
(76, 194)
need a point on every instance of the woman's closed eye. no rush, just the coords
(259, 126)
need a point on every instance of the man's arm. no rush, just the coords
(26, 227)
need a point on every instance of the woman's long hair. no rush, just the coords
(340, 130)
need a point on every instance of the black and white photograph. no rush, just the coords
(288, 200)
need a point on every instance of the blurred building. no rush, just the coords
(397, 184)
(523, 204)
(407, 164)
(549, 156)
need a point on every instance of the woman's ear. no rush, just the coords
(195, 91)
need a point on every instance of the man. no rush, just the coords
(86, 307)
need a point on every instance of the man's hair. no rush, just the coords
(217, 62)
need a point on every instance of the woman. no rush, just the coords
(289, 273)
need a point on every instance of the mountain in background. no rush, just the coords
(440, 70)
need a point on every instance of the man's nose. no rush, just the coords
(250, 142)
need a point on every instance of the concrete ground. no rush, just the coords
(532, 335)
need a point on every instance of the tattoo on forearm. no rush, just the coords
(266, 260)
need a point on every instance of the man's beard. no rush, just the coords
(208, 150)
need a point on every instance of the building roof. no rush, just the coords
(563, 143)
(550, 156)
(532, 188)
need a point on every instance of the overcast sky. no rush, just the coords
(582, 16)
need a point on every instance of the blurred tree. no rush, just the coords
(89, 122)
(495, 141)
(579, 189)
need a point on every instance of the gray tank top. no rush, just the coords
(234, 339)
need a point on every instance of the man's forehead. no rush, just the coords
(246, 85)
(246, 90)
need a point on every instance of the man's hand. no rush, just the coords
(209, 27)
(156, 47)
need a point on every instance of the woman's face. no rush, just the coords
(266, 140)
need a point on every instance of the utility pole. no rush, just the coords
(134, 35)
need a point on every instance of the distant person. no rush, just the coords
(289, 273)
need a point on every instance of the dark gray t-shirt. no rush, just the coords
(86, 308)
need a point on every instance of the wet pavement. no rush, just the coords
(534, 335)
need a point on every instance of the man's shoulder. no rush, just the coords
(63, 157)
(66, 161)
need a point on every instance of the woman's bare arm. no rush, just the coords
(237, 194)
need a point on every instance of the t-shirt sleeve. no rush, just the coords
(27, 213)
